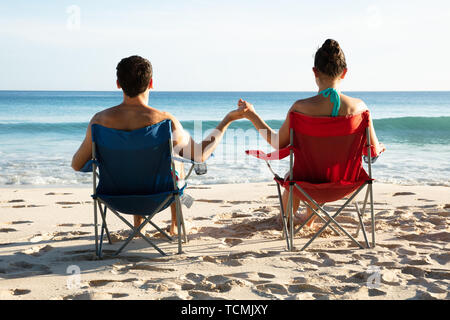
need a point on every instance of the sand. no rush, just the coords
(235, 250)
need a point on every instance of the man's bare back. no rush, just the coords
(130, 117)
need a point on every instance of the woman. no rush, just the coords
(329, 70)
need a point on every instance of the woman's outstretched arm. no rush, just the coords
(277, 140)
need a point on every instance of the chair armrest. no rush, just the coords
(88, 166)
(275, 155)
(185, 160)
(200, 168)
(366, 159)
(373, 152)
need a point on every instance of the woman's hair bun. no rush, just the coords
(331, 47)
(330, 59)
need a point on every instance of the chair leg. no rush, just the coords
(291, 218)
(283, 217)
(179, 217)
(372, 215)
(183, 226)
(103, 229)
(95, 227)
(361, 223)
(100, 247)
(363, 211)
(104, 225)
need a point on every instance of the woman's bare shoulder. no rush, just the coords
(355, 105)
(304, 105)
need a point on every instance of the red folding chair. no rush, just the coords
(325, 166)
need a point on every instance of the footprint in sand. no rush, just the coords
(40, 237)
(305, 260)
(19, 292)
(443, 258)
(240, 202)
(194, 277)
(264, 209)
(72, 235)
(15, 201)
(200, 295)
(225, 260)
(373, 292)
(403, 194)
(266, 275)
(18, 206)
(407, 252)
(104, 282)
(438, 274)
(216, 283)
(19, 222)
(147, 267)
(305, 287)
(235, 259)
(173, 297)
(57, 236)
(22, 269)
(438, 221)
(231, 242)
(73, 225)
(423, 295)
(252, 278)
(425, 200)
(414, 271)
(66, 203)
(37, 251)
(58, 194)
(417, 262)
(86, 255)
(440, 236)
(95, 296)
(240, 215)
(209, 201)
(270, 290)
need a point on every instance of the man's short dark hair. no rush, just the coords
(134, 74)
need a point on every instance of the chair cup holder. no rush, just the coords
(200, 169)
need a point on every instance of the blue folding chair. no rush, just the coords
(136, 176)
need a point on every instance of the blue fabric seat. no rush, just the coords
(135, 176)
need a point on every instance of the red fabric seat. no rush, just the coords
(327, 155)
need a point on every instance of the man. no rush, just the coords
(134, 77)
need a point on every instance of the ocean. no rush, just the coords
(41, 130)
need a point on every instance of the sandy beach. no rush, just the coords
(234, 251)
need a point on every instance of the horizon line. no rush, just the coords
(281, 91)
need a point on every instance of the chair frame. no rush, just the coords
(288, 230)
(103, 206)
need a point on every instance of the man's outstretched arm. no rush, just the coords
(186, 147)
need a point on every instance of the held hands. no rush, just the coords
(244, 110)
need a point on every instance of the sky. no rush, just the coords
(224, 45)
